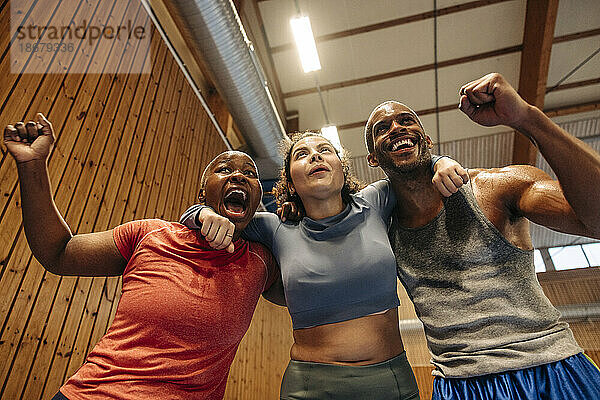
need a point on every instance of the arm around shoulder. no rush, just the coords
(275, 293)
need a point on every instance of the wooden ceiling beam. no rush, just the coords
(393, 22)
(427, 67)
(540, 19)
(573, 109)
(420, 113)
(576, 35)
(586, 82)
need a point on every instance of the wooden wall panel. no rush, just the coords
(263, 355)
(578, 286)
(424, 380)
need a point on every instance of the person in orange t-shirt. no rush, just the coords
(184, 306)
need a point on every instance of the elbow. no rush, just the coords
(52, 264)
(52, 268)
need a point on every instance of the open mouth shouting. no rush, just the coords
(236, 203)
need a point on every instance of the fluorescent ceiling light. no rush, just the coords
(330, 133)
(305, 42)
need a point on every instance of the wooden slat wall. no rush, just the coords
(262, 356)
(129, 146)
(578, 286)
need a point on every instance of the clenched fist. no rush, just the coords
(29, 141)
(491, 101)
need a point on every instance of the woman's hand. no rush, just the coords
(30, 141)
(216, 229)
(449, 176)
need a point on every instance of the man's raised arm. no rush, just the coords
(491, 101)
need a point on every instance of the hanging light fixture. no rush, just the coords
(305, 41)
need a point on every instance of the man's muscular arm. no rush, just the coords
(576, 165)
(569, 204)
(510, 194)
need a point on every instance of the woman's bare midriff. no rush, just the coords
(361, 341)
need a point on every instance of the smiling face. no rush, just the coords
(399, 142)
(315, 169)
(231, 187)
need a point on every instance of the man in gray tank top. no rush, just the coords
(467, 261)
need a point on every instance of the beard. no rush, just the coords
(407, 171)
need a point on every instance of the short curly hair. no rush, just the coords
(281, 189)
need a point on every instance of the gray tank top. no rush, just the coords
(477, 295)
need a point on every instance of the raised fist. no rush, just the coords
(29, 141)
(492, 101)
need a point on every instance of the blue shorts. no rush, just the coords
(574, 378)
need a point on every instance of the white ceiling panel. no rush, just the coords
(413, 90)
(360, 56)
(454, 125)
(309, 109)
(572, 96)
(353, 141)
(579, 116)
(337, 62)
(382, 10)
(331, 16)
(342, 105)
(276, 16)
(576, 16)
(566, 56)
(393, 49)
(453, 77)
(480, 30)
(289, 71)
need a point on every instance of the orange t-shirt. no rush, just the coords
(183, 311)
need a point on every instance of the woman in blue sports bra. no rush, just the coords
(338, 273)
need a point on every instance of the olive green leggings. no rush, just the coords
(389, 380)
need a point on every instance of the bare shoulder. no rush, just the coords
(503, 188)
(511, 178)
